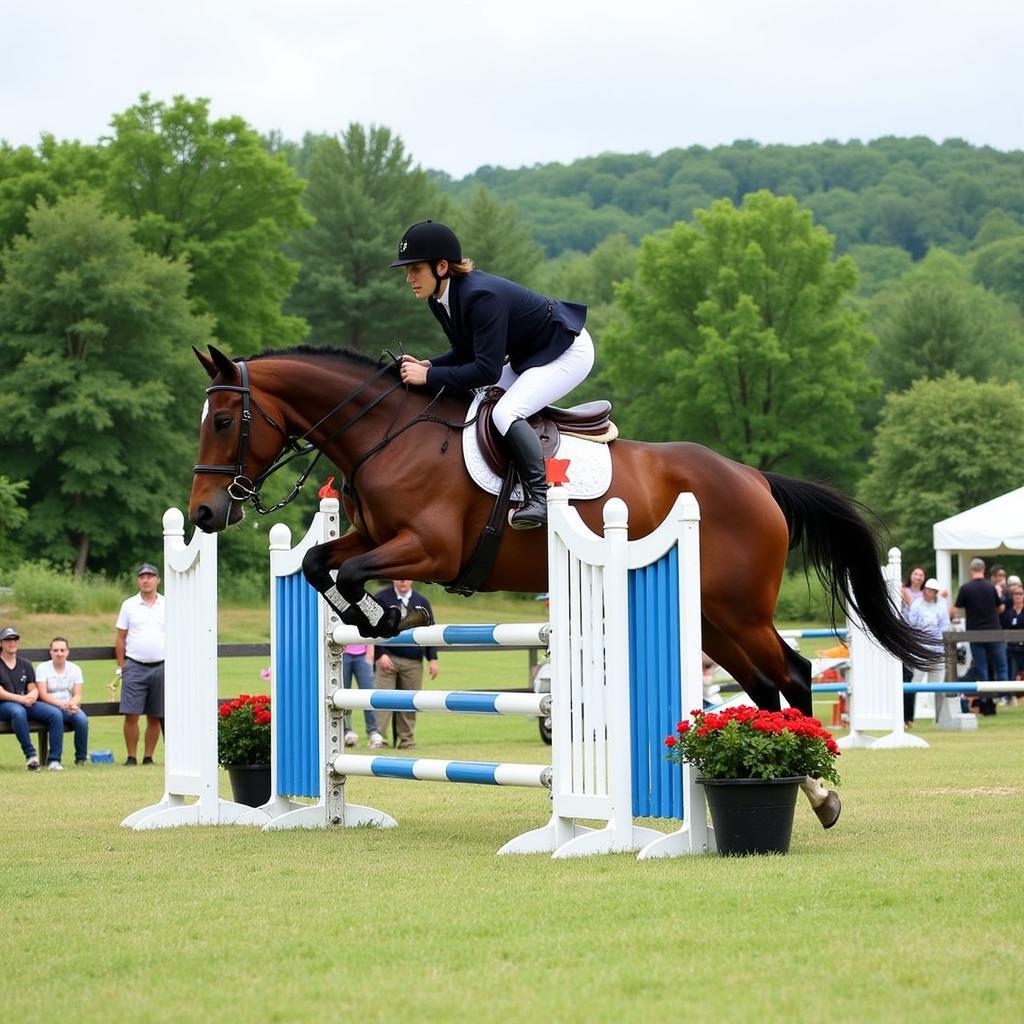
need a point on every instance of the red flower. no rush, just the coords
(670, 741)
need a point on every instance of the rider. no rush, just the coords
(501, 333)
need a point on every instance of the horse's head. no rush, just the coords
(238, 440)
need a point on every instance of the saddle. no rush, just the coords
(591, 421)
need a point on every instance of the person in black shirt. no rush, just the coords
(19, 702)
(979, 603)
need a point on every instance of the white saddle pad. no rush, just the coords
(590, 464)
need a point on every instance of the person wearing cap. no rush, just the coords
(139, 648)
(533, 347)
(930, 615)
(19, 703)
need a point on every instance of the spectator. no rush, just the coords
(19, 704)
(357, 662)
(930, 615)
(401, 668)
(1013, 618)
(997, 574)
(139, 647)
(913, 589)
(60, 683)
(978, 602)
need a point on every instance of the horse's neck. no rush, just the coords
(316, 412)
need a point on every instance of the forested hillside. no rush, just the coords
(908, 193)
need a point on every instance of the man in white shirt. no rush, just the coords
(139, 648)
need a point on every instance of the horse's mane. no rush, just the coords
(335, 354)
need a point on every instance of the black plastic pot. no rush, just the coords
(752, 815)
(250, 783)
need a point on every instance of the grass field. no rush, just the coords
(910, 909)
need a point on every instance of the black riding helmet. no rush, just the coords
(428, 242)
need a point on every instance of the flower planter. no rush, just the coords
(250, 783)
(752, 815)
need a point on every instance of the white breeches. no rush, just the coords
(528, 392)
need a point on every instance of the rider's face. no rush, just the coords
(421, 278)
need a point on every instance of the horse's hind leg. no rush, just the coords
(723, 649)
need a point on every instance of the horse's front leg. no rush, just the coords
(356, 561)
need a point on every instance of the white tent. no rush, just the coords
(993, 528)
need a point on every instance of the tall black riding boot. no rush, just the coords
(524, 446)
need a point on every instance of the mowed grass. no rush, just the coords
(910, 909)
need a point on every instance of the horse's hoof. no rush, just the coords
(829, 809)
(414, 617)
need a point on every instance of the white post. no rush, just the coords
(190, 686)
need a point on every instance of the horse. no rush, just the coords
(416, 514)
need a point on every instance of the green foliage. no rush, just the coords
(939, 449)
(909, 193)
(363, 192)
(40, 586)
(1000, 266)
(802, 598)
(94, 338)
(207, 192)
(745, 743)
(243, 731)
(933, 320)
(736, 336)
(493, 238)
(12, 514)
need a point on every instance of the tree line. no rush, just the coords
(843, 312)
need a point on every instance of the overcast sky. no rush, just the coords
(527, 81)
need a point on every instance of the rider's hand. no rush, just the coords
(414, 371)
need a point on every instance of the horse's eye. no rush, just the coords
(223, 421)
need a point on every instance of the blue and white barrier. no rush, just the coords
(470, 702)
(504, 634)
(625, 663)
(425, 769)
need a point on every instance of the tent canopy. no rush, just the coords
(997, 526)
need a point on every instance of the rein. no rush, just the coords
(243, 488)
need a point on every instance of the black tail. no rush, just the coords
(839, 543)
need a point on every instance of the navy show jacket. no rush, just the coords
(493, 318)
(389, 596)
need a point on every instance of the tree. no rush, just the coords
(492, 236)
(208, 192)
(52, 170)
(94, 338)
(12, 514)
(363, 193)
(934, 319)
(938, 451)
(1000, 266)
(736, 335)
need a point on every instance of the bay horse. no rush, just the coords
(416, 514)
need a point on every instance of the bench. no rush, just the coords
(96, 709)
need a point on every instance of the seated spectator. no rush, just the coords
(59, 682)
(19, 703)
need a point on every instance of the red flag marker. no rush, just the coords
(556, 470)
(328, 490)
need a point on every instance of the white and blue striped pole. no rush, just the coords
(425, 769)
(502, 634)
(473, 702)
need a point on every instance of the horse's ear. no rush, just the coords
(206, 363)
(222, 364)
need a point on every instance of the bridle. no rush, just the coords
(244, 488)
